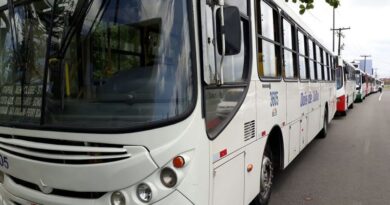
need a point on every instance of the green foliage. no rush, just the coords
(309, 4)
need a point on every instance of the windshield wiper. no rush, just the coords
(46, 70)
(25, 64)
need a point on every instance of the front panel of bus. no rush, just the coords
(100, 104)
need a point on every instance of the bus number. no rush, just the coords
(4, 161)
(274, 98)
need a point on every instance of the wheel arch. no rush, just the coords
(276, 144)
(326, 111)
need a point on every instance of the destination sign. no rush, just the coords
(11, 101)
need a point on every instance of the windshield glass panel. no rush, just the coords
(358, 80)
(111, 64)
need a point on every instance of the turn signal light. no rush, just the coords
(179, 162)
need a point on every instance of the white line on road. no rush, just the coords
(380, 97)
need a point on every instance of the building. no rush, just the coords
(364, 65)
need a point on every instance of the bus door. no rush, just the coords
(229, 100)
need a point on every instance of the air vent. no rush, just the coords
(60, 192)
(62, 151)
(249, 130)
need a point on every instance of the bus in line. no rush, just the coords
(361, 86)
(346, 87)
(156, 102)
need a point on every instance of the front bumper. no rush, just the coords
(37, 198)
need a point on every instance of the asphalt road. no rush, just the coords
(350, 167)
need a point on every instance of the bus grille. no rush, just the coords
(62, 151)
(60, 192)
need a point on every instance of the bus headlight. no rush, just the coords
(117, 198)
(168, 177)
(144, 193)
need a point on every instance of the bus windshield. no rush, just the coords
(357, 78)
(94, 64)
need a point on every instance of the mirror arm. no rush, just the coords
(221, 65)
(219, 70)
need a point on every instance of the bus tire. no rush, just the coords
(324, 130)
(266, 178)
(351, 106)
(343, 113)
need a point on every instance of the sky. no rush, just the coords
(369, 34)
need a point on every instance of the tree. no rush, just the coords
(309, 4)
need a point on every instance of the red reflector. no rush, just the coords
(264, 133)
(223, 153)
(179, 162)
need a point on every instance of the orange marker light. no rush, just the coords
(249, 168)
(179, 162)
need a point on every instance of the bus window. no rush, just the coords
(222, 101)
(339, 77)
(288, 60)
(303, 68)
(319, 66)
(268, 54)
(313, 74)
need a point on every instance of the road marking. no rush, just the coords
(380, 97)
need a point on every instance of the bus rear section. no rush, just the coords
(350, 84)
(342, 104)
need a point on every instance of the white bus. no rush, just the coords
(346, 87)
(361, 87)
(377, 85)
(155, 101)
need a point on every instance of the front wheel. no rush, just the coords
(266, 179)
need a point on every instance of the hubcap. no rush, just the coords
(266, 177)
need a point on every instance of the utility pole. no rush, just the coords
(340, 34)
(334, 25)
(365, 60)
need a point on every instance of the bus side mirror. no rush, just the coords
(229, 30)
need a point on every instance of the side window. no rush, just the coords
(318, 59)
(310, 47)
(303, 68)
(269, 52)
(332, 75)
(234, 70)
(325, 65)
(223, 101)
(288, 52)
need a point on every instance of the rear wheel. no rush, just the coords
(324, 130)
(266, 178)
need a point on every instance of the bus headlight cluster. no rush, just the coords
(168, 177)
(144, 193)
(117, 198)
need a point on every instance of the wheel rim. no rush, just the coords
(266, 177)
